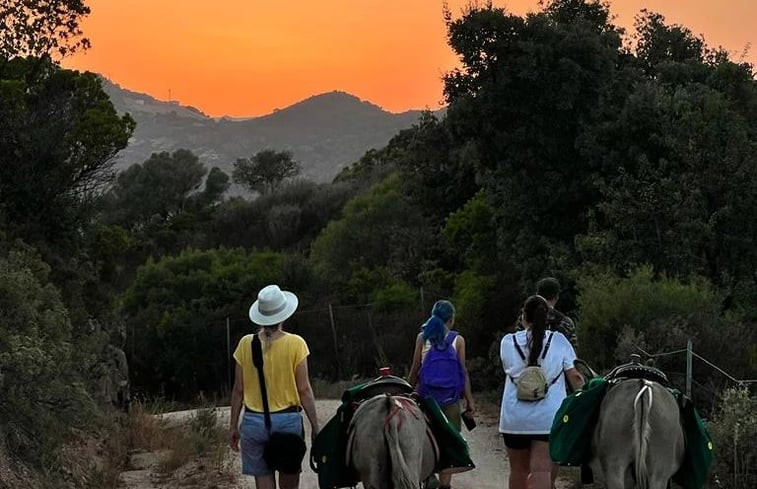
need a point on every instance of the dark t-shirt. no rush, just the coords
(557, 321)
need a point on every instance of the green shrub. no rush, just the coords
(620, 316)
(177, 308)
(42, 394)
(734, 431)
(654, 313)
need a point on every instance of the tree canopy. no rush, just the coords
(265, 170)
(41, 28)
(59, 134)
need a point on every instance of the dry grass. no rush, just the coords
(327, 389)
(198, 446)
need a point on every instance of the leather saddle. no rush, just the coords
(636, 370)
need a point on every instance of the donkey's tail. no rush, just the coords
(401, 476)
(642, 430)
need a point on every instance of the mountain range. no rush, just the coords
(325, 132)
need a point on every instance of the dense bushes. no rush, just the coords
(734, 430)
(609, 304)
(42, 392)
(177, 309)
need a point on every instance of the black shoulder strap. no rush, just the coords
(549, 342)
(544, 353)
(555, 379)
(257, 361)
(517, 347)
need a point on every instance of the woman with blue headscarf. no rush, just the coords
(436, 333)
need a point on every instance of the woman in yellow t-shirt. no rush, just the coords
(285, 369)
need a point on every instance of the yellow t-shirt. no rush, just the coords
(280, 359)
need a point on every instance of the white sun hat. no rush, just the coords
(273, 306)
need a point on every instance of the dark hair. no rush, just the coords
(548, 287)
(535, 313)
(433, 329)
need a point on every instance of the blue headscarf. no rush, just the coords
(434, 330)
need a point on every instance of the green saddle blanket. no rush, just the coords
(698, 454)
(328, 453)
(454, 454)
(573, 427)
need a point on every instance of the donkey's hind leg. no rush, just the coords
(657, 481)
(617, 476)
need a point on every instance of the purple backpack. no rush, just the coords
(442, 376)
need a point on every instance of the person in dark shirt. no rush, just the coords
(549, 288)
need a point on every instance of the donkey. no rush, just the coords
(638, 441)
(389, 445)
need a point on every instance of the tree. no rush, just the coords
(216, 184)
(677, 182)
(41, 28)
(438, 169)
(265, 170)
(289, 218)
(658, 43)
(161, 188)
(59, 134)
(382, 228)
(521, 101)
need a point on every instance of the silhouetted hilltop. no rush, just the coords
(325, 132)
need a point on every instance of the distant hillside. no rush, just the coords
(326, 132)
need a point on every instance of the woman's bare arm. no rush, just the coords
(468, 394)
(575, 379)
(307, 398)
(415, 366)
(237, 396)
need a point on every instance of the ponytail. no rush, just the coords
(434, 330)
(266, 332)
(535, 313)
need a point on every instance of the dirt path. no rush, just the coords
(486, 447)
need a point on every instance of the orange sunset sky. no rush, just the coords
(248, 57)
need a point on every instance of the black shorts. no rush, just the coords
(519, 442)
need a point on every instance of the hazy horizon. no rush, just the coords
(244, 59)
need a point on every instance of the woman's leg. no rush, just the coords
(453, 413)
(520, 459)
(541, 466)
(289, 481)
(265, 482)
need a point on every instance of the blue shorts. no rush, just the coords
(253, 435)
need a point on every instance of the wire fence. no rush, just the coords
(690, 355)
(354, 340)
(350, 340)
